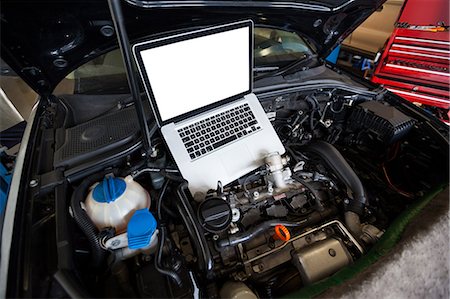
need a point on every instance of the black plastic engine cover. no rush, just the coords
(384, 122)
(96, 137)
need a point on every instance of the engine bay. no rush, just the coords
(128, 226)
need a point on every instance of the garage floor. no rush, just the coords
(418, 266)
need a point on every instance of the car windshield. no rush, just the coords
(273, 49)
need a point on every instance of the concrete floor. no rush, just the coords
(417, 267)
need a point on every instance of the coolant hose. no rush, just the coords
(336, 161)
(158, 263)
(82, 219)
(312, 219)
(313, 191)
(163, 232)
(353, 223)
(259, 229)
(343, 170)
(206, 263)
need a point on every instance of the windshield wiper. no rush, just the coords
(289, 67)
(263, 69)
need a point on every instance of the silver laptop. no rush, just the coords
(200, 88)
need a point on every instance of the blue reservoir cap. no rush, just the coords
(109, 189)
(140, 229)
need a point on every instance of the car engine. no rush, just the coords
(132, 228)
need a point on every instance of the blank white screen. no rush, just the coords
(191, 74)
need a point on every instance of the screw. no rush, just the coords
(215, 237)
(34, 183)
(332, 252)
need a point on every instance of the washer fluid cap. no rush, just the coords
(140, 229)
(109, 189)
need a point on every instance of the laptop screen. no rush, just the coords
(197, 69)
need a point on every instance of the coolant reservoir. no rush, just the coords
(112, 202)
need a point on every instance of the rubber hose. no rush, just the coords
(337, 162)
(158, 260)
(158, 264)
(311, 189)
(353, 223)
(70, 284)
(160, 199)
(313, 218)
(206, 263)
(250, 234)
(84, 222)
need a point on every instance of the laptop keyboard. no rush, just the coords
(216, 131)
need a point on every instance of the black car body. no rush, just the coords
(345, 137)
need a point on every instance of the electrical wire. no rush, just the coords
(396, 189)
(391, 155)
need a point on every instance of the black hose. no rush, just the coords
(313, 218)
(343, 170)
(82, 219)
(162, 239)
(70, 285)
(314, 107)
(250, 234)
(206, 263)
(312, 190)
(168, 210)
(160, 199)
(158, 262)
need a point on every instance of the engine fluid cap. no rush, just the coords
(282, 233)
(109, 189)
(214, 214)
(140, 229)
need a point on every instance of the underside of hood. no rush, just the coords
(43, 41)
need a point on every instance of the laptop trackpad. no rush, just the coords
(237, 158)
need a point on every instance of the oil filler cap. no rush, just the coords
(140, 229)
(215, 214)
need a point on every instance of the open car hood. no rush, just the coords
(43, 41)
